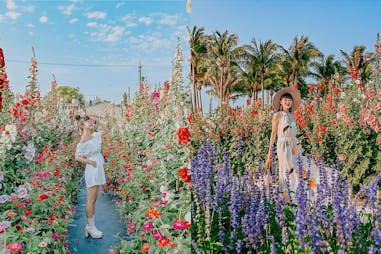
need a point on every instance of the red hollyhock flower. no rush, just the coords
(322, 128)
(2, 62)
(183, 135)
(190, 118)
(318, 138)
(320, 87)
(311, 88)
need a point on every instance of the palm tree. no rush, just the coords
(297, 58)
(197, 50)
(260, 63)
(360, 61)
(324, 69)
(222, 56)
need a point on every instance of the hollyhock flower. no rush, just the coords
(163, 242)
(147, 227)
(322, 128)
(320, 87)
(183, 135)
(311, 88)
(14, 247)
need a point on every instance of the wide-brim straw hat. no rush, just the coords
(296, 98)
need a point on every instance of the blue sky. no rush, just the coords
(330, 24)
(80, 34)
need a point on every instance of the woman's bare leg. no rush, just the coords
(92, 195)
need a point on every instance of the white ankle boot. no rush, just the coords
(91, 230)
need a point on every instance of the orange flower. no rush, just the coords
(163, 242)
(124, 193)
(11, 214)
(153, 213)
(151, 134)
(286, 197)
(258, 103)
(312, 183)
(172, 244)
(145, 247)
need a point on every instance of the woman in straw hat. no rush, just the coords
(285, 102)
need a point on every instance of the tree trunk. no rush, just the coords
(193, 98)
(263, 92)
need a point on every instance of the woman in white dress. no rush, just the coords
(285, 102)
(89, 151)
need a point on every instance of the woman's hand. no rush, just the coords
(93, 163)
(268, 161)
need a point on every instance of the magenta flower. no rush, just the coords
(179, 225)
(147, 227)
(14, 247)
(157, 234)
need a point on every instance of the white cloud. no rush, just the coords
(10, 4)
(168, 19)
(43, 19)
(30, 33)
(115, 35)
(151, 42)
(129, 20)
(107, 33)
(128, 17)
(96, 15)
(67, 10)
(92, 24)
(29, 8)
(146, 20)
(30, 25)
(120, 4)
(74, 20)
(2, 17)
(13, 15)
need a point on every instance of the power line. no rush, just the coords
(83, 65)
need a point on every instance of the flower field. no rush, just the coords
(238, 208)
(147, 169)
(148, 162)
(38, 176)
